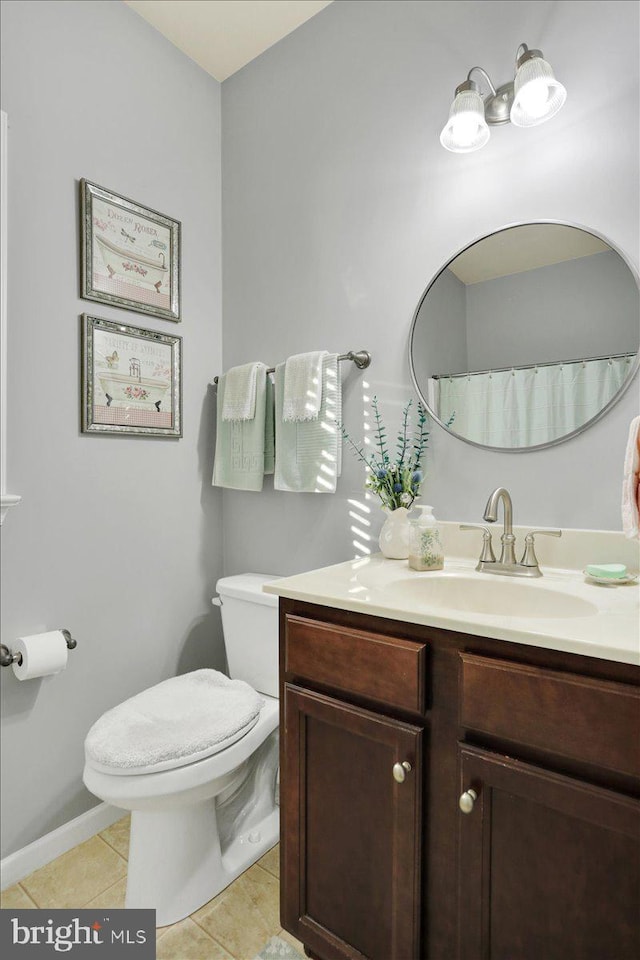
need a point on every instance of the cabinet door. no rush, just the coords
(549, 867)
(351, 834)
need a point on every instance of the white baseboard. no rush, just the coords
(20, 864)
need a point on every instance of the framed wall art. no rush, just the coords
(130, 254)
(131, 380)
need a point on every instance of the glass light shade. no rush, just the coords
(466, 129)
(537, 94)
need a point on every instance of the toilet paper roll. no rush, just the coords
(43, 654)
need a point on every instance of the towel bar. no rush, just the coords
(361, 358)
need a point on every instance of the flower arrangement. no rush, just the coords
(397, 483)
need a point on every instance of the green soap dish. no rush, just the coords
(607, 571)
(609, 574)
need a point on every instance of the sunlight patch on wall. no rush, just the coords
(360, 509)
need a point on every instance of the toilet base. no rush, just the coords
(175, 861)
(181, 855)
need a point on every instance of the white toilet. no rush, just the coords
(195, 759)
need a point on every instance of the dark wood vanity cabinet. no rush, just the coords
(351, 828)
(351, 790)
(545, 748)
(546, 865)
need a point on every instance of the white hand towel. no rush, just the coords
(631, 483)
(302, 387)
(240, 392)
(309, 453)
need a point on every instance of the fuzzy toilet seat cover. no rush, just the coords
(175, 722)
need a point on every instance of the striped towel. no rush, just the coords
(309, 453)
(631, 483)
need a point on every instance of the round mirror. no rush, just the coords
(526, 337)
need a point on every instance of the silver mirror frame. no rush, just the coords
(567, 436)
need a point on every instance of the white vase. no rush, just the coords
(394, 536)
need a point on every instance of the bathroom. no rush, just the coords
(316, 204)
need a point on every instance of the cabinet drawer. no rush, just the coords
(383, 669)
(595, 721)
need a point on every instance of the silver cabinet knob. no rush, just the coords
(467, 801)
(400, 771)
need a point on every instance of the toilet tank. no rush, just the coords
(250, 625)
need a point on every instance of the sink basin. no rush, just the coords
(558, 611)
(480, 595)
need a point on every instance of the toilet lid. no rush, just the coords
(176, 722)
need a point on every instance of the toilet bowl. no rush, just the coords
(195, 760)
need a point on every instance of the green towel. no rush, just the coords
(308, 453)
(269, 429)
(240, 444)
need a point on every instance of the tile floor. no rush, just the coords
(235, 925)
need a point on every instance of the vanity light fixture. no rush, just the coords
(533, 97)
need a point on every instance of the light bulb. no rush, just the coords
(466, 129)
(534, 98)
(537, 94)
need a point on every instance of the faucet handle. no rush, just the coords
(487, 555)
(529, 558)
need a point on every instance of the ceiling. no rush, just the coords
(527, 248)
(224, 35)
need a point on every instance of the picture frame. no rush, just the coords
(131, 380)
(130, 254)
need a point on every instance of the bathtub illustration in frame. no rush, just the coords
(130, 254)
(131, 380)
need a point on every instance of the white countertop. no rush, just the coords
(388, 588)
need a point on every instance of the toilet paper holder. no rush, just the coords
(7, 657)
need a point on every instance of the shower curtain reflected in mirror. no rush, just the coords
(527, 406)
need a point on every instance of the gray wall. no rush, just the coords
(440, 336)
(580, 308)
(340, 204)
(118, 539)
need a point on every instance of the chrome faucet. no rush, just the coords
(507, 565)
